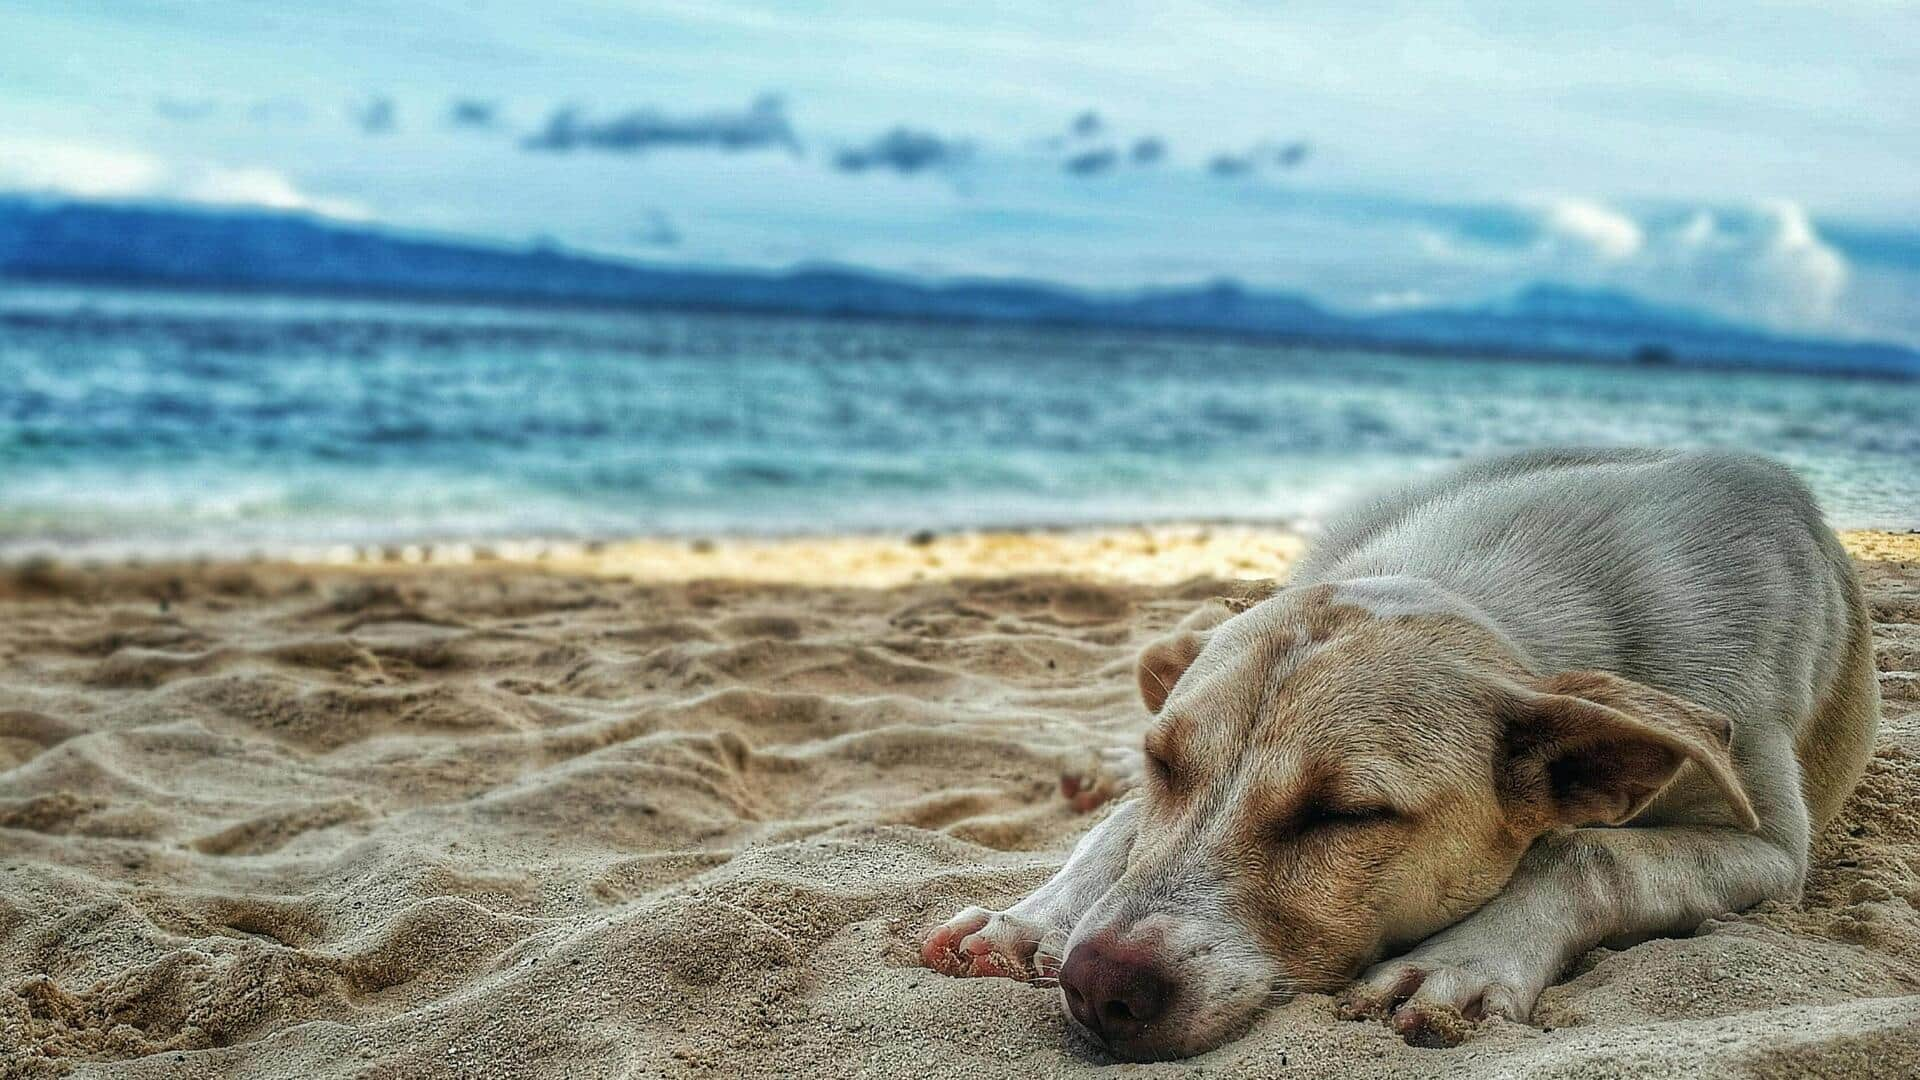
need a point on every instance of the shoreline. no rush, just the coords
(1146, 554)
(1140, 554)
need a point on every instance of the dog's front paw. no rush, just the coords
(978, 942)
(1435, 1003)
(1107, 774)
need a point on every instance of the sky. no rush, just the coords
(1756, 160)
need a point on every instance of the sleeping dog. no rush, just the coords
(1543, 703)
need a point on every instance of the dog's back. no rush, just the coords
(1709, 575)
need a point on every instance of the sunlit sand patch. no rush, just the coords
(1870, 545)
(1141, 555)
(1150, 555)
(1138, 555)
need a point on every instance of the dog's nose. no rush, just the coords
(1114, 990)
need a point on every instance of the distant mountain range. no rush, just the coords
(46, 239)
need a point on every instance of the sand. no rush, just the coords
(663, 809)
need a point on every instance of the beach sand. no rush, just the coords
(671, 809)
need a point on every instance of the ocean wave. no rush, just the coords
(217, 423)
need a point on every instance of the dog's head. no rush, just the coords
(1338, 771)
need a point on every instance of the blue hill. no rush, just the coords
(175, 246)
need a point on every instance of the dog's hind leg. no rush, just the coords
(1024, 941)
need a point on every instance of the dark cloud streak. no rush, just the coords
(1287, 156)
(905, 151)
(1230, 165)
(375, 116)
(762, 125)
(1092, 162)
(1090, 147)
(473, 114)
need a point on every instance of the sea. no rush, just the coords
(138, 424)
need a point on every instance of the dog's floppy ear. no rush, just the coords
(1163, 662)
(1589, 747)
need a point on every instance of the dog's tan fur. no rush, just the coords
(1366, 765)
(1320, 754)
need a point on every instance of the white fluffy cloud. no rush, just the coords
(1765, 263)
(73, 169)
(1592, 227)
(257, 186)
(79, 169)
(1790, 265)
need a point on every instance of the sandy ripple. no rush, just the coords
(583, 819)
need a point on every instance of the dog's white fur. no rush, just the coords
(1705, 583)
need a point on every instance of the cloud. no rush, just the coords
(375, 116)
(1230, 165)
(905, 151)
(105, 173)
(1101, 160)
(274, 110)
(1092, 162)
(77, 169)
(256, 186)
(1765, 263)
(761, 125)
(1593, 228)
(1290, 155)
(1086, 151)
(473, 114)
(1795, 249)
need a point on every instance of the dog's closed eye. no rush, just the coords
(1320, 817)
(1162, 770)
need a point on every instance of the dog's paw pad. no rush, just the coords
(1379, 993)
(1431, 1005)
(941, 949)
(979, 943)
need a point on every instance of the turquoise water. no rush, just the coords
(143, 423)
